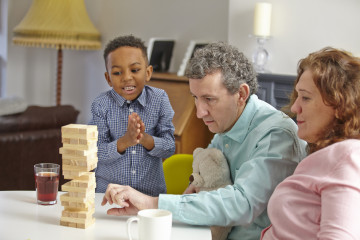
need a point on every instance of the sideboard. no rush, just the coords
(275, 88)
(190, 132)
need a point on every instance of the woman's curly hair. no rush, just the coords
(236, 69)
(336, 74)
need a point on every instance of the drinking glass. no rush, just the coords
(46, 182)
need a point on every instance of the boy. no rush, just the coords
(134, 121)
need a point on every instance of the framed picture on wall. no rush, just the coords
(189, 54)
(160, 52)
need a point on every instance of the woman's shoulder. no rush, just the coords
(346, 145)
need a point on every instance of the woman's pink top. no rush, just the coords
(321, 200)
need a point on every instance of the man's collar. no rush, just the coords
(239, 130)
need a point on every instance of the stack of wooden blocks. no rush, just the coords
(79, 157)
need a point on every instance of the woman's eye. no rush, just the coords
(305, 98)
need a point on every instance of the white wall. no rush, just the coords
(32, 71)
(298, 27)
(3, 44)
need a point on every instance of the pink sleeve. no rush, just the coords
(340, 200)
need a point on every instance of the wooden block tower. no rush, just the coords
(79, 157)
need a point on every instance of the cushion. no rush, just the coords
(12, 105)
(38, 117)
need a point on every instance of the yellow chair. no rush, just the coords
(177, 170)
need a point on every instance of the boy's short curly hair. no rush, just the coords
(236, 69)
(125, 41)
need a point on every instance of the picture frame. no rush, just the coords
(193, 45)
(160, 51)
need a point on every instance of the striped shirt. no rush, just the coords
(136, 167)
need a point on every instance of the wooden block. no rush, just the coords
(88, 176)
(68, 174)
(69, 213)
(81, 183)
(78, 209)
(79, 162)
(67, 198)
(72, 205)
(89, 157)
(86, 145)
(86, 225)
(79, 131)
(70, 129)
(67, 224)
(80, 194)
(68, 188)
(73, 174)
(78, 128)
(90, 166)
(78, 152)
(78, 225)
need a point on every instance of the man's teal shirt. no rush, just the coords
(262, 149)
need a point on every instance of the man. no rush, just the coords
(259, 142)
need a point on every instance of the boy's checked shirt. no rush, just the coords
(136, 167)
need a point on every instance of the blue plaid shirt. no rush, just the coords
(137, 167)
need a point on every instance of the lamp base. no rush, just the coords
(260, 56)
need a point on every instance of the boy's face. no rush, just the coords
(127, 72)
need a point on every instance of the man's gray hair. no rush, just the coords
(236, 69)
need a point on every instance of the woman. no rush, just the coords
(321, 200)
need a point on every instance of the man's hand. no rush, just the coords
(129, 199)
(191, 189)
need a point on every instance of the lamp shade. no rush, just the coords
(57, 24)
(262, 19)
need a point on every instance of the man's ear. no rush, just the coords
(149, 71)
(244, 93)
(107, 77)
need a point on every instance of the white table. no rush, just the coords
(22, 219)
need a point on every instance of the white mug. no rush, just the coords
(154, 224)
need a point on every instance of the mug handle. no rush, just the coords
(128, 225)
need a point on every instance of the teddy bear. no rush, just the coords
(210, 172)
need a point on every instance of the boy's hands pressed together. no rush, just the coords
(132, 135)
(135, 134)
(145, 139)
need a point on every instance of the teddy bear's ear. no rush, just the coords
(218, 156)
(196, 151)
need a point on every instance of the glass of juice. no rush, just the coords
(46, 182)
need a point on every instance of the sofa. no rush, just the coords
(30, 137)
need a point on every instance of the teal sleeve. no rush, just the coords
(270, 160)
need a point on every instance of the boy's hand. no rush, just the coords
(145, 139)
(132, 135)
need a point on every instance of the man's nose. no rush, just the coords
(200, 110)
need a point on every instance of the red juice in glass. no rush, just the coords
(47, 184)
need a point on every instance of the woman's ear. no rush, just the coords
(244, 92)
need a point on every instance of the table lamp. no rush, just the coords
(60, 24)
(262, 22)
